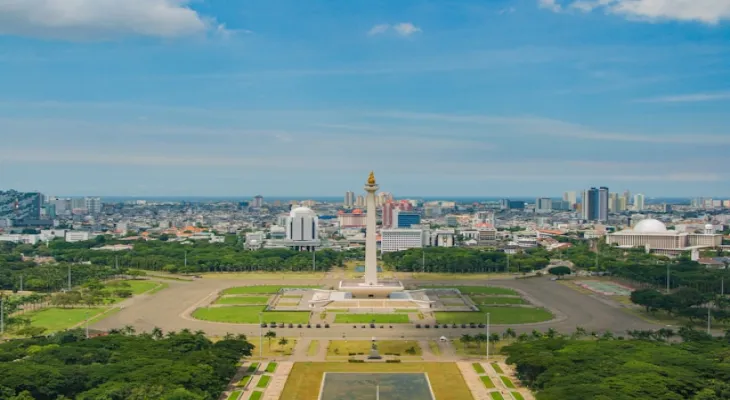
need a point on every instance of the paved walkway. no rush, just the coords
(236, 378)
(278, 380)
(478, 390)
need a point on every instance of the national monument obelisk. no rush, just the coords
(371, 245)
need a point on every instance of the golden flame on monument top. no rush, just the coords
(371, 179)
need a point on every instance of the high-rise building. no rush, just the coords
(405, 219)
(388, 208)
(400, 239)
(613, 205)
(623, 204)
(93, 205)
(627, 198)
(349, 199)
(257, 202)
(639, 202)
(302, 229)
(571, 197)
(19, 207)
(543, 204)
(595, 204)
(360, 202)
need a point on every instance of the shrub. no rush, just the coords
(355, 361)
(392, 361)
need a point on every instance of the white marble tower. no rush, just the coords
(371, 251)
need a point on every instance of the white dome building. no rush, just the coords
(654, 236)
(302, 229)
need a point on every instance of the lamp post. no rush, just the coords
(261, 336)
(487, 336)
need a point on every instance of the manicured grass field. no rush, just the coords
(517, 396)
(507, 382)
(345, 347)
(498, 315)
(305, 379)
(58, 319)
(250, 315)
(405, 310)
(371, 318)
(434, 347)
(262, 289)
(496, 396)
(256, 395)
(497, 300)
(244, 381)
(478, 368)
(487, 382)
(313, 348)
(263, 382)
(234, 395)
(277, 350)
(497, 368)
(485, 290)
(271, 367)
(242, 300)
(252, 367)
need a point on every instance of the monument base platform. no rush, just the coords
(362, 290)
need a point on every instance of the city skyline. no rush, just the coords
(519, 98)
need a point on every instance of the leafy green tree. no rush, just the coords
(270, 335)
(559, 271)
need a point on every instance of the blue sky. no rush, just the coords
(291, 97)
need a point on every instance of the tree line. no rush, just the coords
(649, 367)
(464, 260)
(176, 366)
(685, 302)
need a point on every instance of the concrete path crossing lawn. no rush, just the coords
(478, 390)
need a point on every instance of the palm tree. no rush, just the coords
(551, 333)
(523, 337)
(283, 342)
(509, 333)
(579, 332)
(480, 338)
(270, 335)
(128, 330)
(157, 333)
(466, 339)
(536, 334)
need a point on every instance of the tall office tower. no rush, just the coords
(93, 205)
(627, 198)
(613, 205)
(258, 201)
(622, 204)
(404, 219)
(388, 214)
(602, 211)
(639, 202)
(571, 198)
(543, 204)
(595, 204)
(349, 199)
(360, 202)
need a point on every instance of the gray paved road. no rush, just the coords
(166, 309)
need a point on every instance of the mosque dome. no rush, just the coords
(650, 226)
(301, 212)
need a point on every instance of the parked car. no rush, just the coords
(318, 326)
(291, 325)
(263, 325)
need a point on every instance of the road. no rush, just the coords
(167, 310)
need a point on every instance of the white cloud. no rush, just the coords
(705, 11)
(509, 10)
(101, 19)
(688, 98)
(378, 29)
(406, 28)
(550, 5)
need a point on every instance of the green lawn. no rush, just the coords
(371, 318)
(263, 382)
(244, 381)
(485, 290)
(496, 396)
(252, 367)
(261, 289)
(498, 315)
(434, 346)
(507, 382)
(137, 286)
(313, 348)
(234, 395)
(497, 368)
(242, 300)
(250, 315)
(58, 319)
(478, 368)
(271, 367)
(345, 347)
(517, 396)
(256, 395)
(497, 300)
(487, 382)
